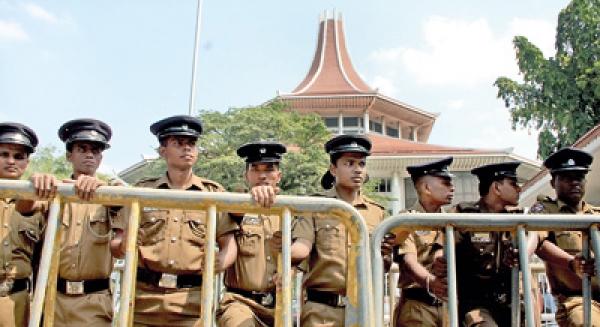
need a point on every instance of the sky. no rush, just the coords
(129, 62)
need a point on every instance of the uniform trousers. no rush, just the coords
(413, 313)
(14, 309)
(158, 306)
(87, 310)
(322, 315)
(570, 312)
(237, 310)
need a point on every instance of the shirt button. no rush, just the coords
(153, 219)
(327, 226)
(76, 242)
(268, 237)
(173, 239)
(73, 265)
(6, 225)
(426, 242)
(171, 262)
(6, 243)
(268, 258)
(7, 264)
(492, 254)
(480, 250)
(271, 278)
(79, 222)
(175, 219)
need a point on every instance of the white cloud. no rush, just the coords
(12, 31)
(465, 53)
(385, 85)
(454, 104)
(38, 12)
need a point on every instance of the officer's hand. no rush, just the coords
(45, 185)
(264, 195)
(276, 243)
(511, 257)
(387, 248)
(584, 266)
(440, 267)
(85, 186)
(439, 287)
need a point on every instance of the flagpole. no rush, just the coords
(194, 66)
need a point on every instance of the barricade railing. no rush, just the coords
(516, 224)
(359, 304)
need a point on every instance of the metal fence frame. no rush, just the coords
(449, 222)
(359, 307)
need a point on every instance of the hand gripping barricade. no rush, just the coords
(359, 308)
(449, 222)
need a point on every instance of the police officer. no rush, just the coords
(250, 296)
(20, 233)
(484, 259)
(83, 297)
(172, 241)
(324, 240)
(562, 250)
(421, 290)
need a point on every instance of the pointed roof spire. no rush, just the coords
(332, 70)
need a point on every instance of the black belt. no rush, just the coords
(266, 299)
(328, 298)
(421, 295)
(81, 287)
(9, 287)
(165, 280)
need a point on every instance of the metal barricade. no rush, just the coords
(516, 224)
(359, 307)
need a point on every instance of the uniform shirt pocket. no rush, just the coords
(99, 226)
(29, 233)
(571, 242)
(328, 235)
(194, 228)
(250, 239)
(154, 225)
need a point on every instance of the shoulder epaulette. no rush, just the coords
(373, 202)
(211, 184)
(468, 206)
(147, 180)
(542, 197)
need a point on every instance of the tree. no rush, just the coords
(560, 95)
(304, 135)
(49, 160)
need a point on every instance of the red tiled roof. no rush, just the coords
(389, 146)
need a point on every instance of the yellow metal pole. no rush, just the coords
(126, 306)
(53, 274)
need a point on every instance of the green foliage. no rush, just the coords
(304, 135)
(560, 96)
(50, 160)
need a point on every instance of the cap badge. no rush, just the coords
(184, 126)
(354, 144)
(19, 137)
(263, 150)
(94, 133)
(571, 162)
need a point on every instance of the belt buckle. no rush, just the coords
(74, 288)
(341, 300)
(168, 281)
(6, 287)
(266, 299)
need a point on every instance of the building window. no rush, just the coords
(375, 127)
(393, 132)
(331, 122)
(351, 122)
(385, 186)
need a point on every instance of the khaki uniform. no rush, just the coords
(250, 296)
(19, 237)
(173, 243)
(484, 283)
(417, 307)
(84, 256)
(328, 260)
(567, 285)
